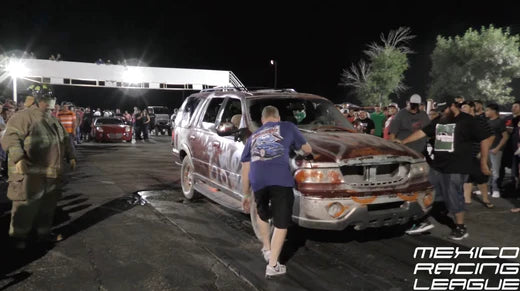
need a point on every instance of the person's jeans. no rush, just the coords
(72, 138)
(145, 131)
(495, 159)
(78, 135)
(138, 132)
(451, 187)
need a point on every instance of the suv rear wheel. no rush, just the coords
(187, 181)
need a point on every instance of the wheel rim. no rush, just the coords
(187, 181)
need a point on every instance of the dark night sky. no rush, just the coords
(312, 42)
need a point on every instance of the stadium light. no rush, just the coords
(132, 75)
(16, 69)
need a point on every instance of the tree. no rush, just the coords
(478, 65)
(384, 73)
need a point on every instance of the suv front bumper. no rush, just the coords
(385, 210)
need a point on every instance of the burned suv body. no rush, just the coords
(351, 179)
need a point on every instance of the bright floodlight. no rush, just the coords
(16, 69)
(272, 62)
(132, 75)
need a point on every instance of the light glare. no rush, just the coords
(132, 75)
(16, 69)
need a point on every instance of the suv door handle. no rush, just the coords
(192, 137)
(216, 144)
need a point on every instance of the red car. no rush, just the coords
(110, 129)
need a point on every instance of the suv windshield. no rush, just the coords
(106, 121)
(305, 113)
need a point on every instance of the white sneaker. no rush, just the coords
(478, 192)
(266, 254)
(496, 194)
(422, 227)
(277, 270)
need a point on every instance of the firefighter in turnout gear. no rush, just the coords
(38, 147)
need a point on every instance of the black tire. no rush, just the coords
(187, 180)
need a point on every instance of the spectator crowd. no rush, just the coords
(78, 121)
(499, 132)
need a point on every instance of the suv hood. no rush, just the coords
(333, 147)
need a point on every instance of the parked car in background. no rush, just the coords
(110, 129)
(160, 119)
(351, 179)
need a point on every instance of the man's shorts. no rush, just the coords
(280, 208)
(451, 187)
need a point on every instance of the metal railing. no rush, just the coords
(235, 82)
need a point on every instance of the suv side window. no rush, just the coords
(212, 110)
(232, 112)
(186, 114)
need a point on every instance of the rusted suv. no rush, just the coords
(351, 179)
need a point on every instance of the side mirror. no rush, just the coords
(226, 129)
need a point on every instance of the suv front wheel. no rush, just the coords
(187, 180)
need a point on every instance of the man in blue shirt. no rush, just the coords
(265, 168)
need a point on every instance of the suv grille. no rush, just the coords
(375, 175)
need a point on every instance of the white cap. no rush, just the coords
(416, 98)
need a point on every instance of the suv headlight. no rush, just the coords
(333, 176)
(420, 169)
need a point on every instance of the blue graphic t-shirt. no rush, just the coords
(268, 151)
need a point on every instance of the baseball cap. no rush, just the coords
(441, 106)
(415, 98)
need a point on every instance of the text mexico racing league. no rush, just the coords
(478, 268)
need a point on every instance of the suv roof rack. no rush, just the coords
(225, 89)
(285, 90)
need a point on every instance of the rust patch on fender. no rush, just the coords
(366, 200)
(412, 197)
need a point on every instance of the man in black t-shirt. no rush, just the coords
(509, 159)
(452, 163)
(476, 176)
(513, 129)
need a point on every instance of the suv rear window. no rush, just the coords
(212, 111)
(185, 115)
